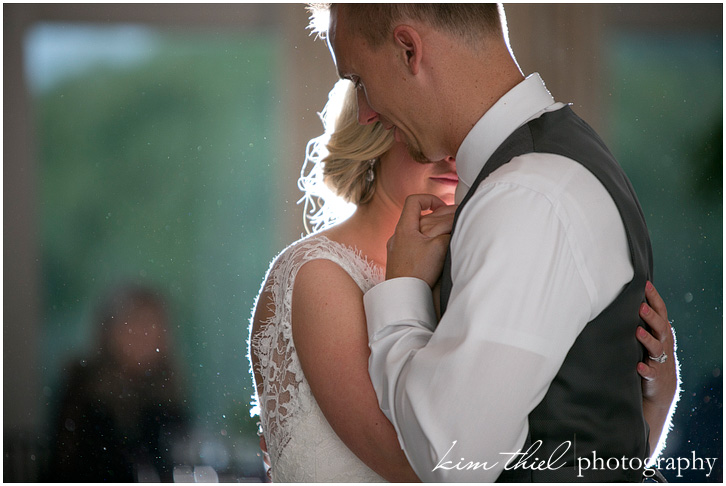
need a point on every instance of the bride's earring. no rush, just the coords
(370, 175)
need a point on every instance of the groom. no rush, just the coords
(531, 367)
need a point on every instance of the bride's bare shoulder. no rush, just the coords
(322, 277)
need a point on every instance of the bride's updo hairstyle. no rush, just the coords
(341, 165)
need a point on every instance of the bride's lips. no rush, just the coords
(446, 179)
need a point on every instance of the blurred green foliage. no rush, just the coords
(162, 173)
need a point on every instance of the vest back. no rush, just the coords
(595, 400)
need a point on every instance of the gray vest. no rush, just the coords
(595, 400)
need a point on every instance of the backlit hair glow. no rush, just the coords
(333, 176)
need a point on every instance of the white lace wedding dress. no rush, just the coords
(302, 445)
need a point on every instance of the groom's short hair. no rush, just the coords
(375, 21)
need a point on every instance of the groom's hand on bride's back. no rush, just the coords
(418, 246)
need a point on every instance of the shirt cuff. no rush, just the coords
(403, 300)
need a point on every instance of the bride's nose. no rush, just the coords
(366, 114)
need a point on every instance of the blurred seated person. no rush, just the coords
(122, 409)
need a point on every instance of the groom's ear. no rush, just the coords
(409, 45)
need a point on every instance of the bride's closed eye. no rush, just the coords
(357, 83)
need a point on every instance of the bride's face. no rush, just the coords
(400, 176)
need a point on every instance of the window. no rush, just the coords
(156, 168)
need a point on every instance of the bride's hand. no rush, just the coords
(418, 245)
(659, 372)
(438, 222)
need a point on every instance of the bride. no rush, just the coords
(308, 343)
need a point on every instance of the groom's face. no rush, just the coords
(383, 94)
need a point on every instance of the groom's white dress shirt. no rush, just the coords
(538, 252)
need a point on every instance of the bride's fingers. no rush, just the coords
(659, 325)
(439, 222)
(436, 227)
(655, 301)
(415, 204)
(652, 345)
(446, 210)
(646, 372)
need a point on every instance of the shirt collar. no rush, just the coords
(526, 101)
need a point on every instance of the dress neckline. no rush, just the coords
(358, 254)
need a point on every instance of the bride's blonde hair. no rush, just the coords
(337, 162)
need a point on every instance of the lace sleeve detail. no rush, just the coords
(285, 395)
